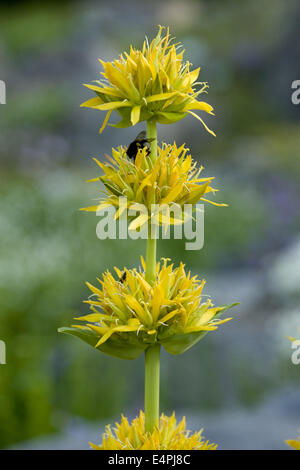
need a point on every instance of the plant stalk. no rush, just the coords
(152, 353)
(151, 242)
(152, 370)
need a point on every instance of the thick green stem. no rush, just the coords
(152, 353)
(152, 369)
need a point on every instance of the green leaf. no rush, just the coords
(169, 118)
(112, 347)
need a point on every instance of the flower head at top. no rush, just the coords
(171, 181)
(154, 82)
(128, 314)
(168, 435)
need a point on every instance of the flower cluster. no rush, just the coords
(168, 435)
(153, 82)
(129, 314)
(173, 180)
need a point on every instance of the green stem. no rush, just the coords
(152, 369)
(151, 242)
(150, 257)
(152, 134)
(152, 353)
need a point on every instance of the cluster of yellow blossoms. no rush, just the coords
(168, 435)
(171, 181)
(152, 83)
(129, 314)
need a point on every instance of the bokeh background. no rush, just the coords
(238, 383)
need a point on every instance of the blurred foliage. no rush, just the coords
(47, 253)
(51, 24)
(23, 108)
(48, 249)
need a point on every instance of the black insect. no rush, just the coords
(139, 142)
(123, 277)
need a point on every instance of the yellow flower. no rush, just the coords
(172, 180)
(128, 314)
(152, 83)
(167, 436)
(295, 443)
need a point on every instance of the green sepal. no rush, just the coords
(178, 344)
(169, 118)
(116, 348)
(110, 187)
(121, 124)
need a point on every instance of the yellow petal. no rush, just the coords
(201, 120)
(94, 289)
(135, 114)
(172, 195)
(200, 105)
(113, 105)
(92, 180)
(169, 316)
(214, 203)
(208, 315)
(92, 102)
(93, 317)
(81, 327)
(105, 121)
(161, 96)
(157, 301)
(134, 305)
(90, 208)
(144, 283)
(194, 75)
(138, 222)
(93, 87)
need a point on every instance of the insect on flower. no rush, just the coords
(139, 142)
(122, 279)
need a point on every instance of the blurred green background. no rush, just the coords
(249, 53)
